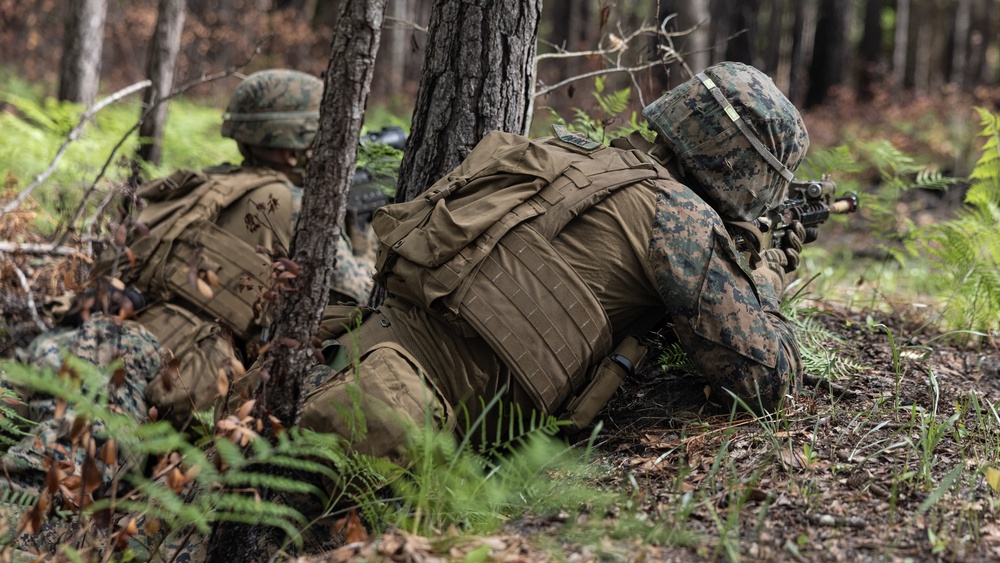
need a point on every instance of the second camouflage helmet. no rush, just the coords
(276, 109)
(735, 135)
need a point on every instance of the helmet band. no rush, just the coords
(270, 116)
(731, 112)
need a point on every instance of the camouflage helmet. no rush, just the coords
(276, 109)
(735, 135)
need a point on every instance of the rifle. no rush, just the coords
(370, 191)
(809, 203)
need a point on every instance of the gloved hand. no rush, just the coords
(782, 261)
(785, 258)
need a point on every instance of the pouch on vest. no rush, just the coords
(609, 375)
(200, 350)
(237, 266)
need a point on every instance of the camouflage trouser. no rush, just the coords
(56, 440)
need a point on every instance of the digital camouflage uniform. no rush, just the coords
(656, 246)
(102, 341)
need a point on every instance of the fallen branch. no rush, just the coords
(30, 298)
(36, 248)
(74, 134)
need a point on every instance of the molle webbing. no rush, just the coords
(501, 276)
(538, 316)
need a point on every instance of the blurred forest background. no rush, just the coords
(883, 50)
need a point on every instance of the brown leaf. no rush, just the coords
(60, 408)
(53, 478)
(130, 255)
(287, 276)
(605, 14)
(142, 228)
(212, 278)
(152, 526)
(289, 342)
(276, 424)
(120, 234)
(109, 452)
(91, 475)
(175, 480)
(170, 374)
(118, 377)
(154, 413)
(78, 428)
(237, 367)
(287, 265)
(192, 473)
(204, 289)
(244, 410)
(222, 382)
(354, 530)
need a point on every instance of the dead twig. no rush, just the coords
(36, 248)
(74, 134)
(30, 298)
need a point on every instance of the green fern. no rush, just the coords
(611, 123)
(674, 357)
(966, 250)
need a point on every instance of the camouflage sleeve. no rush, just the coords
(729, 325)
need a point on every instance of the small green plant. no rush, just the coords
(610, 124)
(966, 250)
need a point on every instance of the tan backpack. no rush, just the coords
(474, 248)
(184, 244)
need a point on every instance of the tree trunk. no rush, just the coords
(80, 67)
(742, 45)
(870, 51)
(314, 246)
(803, 37)
(160, 70)
(696, 46)
(477, 76)
(829, 50)
(960, 44)
(900, 42)
(776, 36)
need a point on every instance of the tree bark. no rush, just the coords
(900, 42)
(697, 44)
(960, 44)
(314, 245)
(477, 76)
(163, 51)
(742, 46)
(829, 50)
(80, 66)
(870, 51)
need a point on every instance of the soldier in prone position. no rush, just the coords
(558, 254)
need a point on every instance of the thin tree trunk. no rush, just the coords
(80, 66)
(829, 50)
(697, 44)
(960, 44)
(900, 42)
(922, 58)
(314, 246)
(160, 70)
(870, 51)
(477, 76)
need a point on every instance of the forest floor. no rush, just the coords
(889, 460)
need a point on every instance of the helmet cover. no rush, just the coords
(276, 109)
(712, 150)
